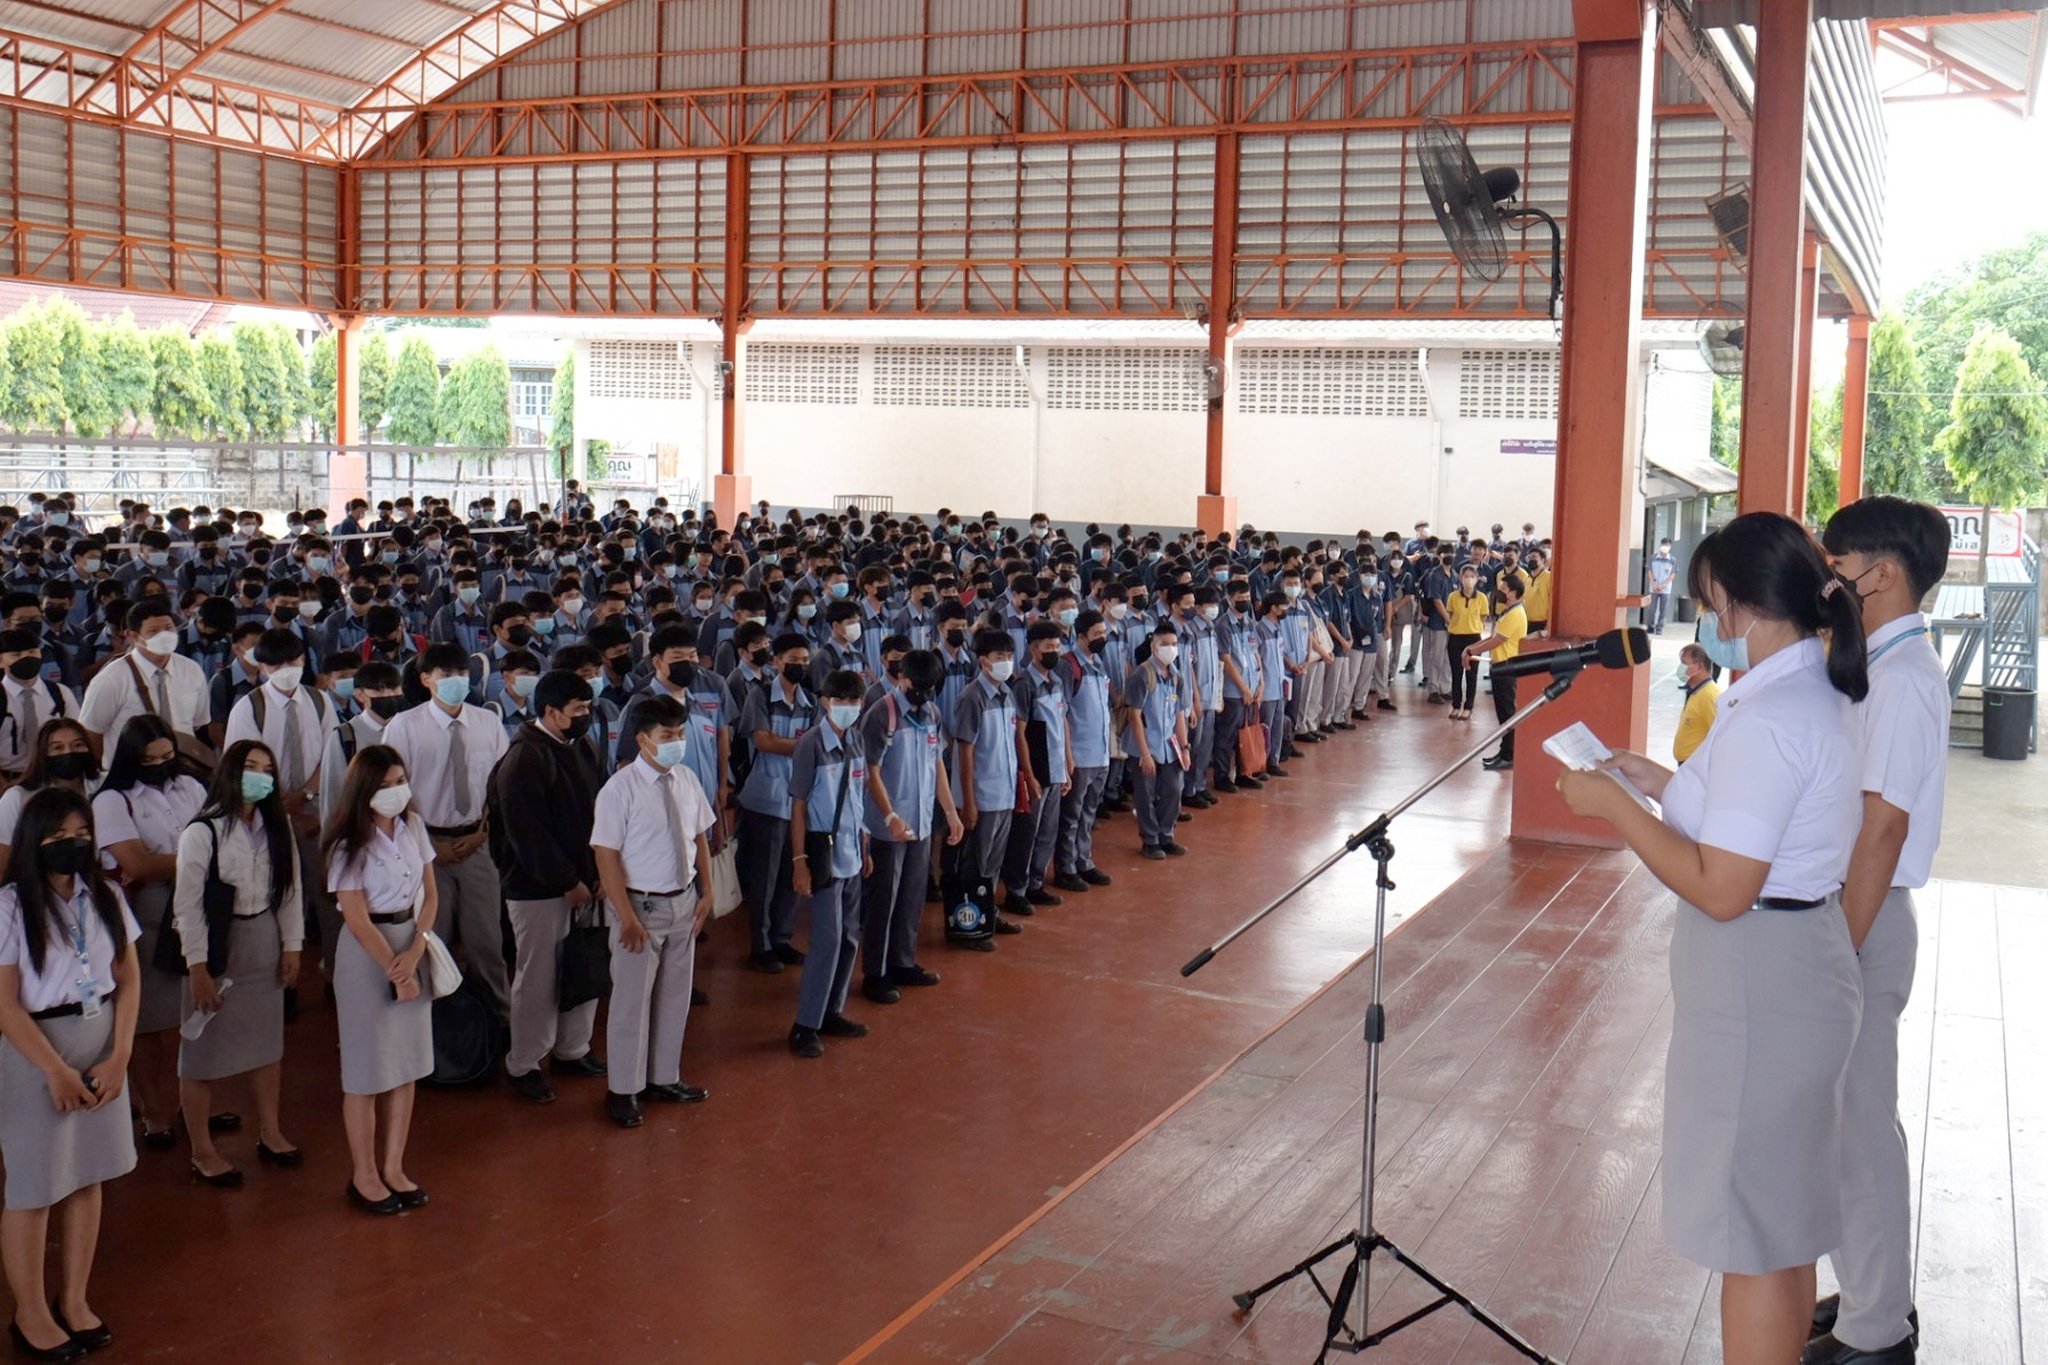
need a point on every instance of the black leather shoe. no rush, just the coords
(879, 990)
(1384, 705)
(1275, 770)
(1153, 852)
(1095, 876)
(1006, 926)
(1825, 1350)
(678, 1093)
(623, 1110)
(1497, 764)
(1173, 850)
(1043, 897)
(532, 1087)
(1308, 737)
(229, 1179)
(839, 1026)
(971, 945)
(68, 1349)
(414, 1198)
(804, 1042)
(383, 1208)
(767, 963)
(789, 955)
(589, 1064)
(1068, 881)
(161, 1141)
(913, 976)
(282, 1160)
(92, 1338)
(1224, 785)
(1014, 904)
(698, 998)
(1829, 1309)
(224, 1123)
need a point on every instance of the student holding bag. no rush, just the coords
(378, 851)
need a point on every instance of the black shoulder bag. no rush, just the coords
(219, 902)
(818, 848)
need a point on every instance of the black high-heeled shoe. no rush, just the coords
(68, 1349)
(229, 1179)
(162, 1140)
(383, 1208)
(92, 1338)
(283, 1160)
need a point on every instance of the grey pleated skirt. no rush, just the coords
(163, 1005)
(1766, 1008)
(49, 1155)
(384, 1043)
(249, 1030)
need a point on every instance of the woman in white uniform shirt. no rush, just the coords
(378, 851)
(1755, 839)
(243, 836)
(140, 811)
(63, 758)
(68, 1003)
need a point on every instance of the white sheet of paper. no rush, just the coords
(1579, 749)
(199, 1019)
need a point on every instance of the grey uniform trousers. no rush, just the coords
(892, 903)
(1201, 750)
(1223, 746)
(834, 946)
(539, 1025)
(1157, 799)
(1033, 834)
(1875, 1261)
(764, 865)
(472, 905)
(1076, 850)
(650, 1000)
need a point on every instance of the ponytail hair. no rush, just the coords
(1771, 565)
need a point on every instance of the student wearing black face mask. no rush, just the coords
(707, 702)
(62, 758)
(543, 793)
(775, 717)
(141, 808)
(908, 788)
(27, 700)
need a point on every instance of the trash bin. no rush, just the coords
(2008, 721)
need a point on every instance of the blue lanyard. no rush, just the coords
(1889, 645)
(88, 984)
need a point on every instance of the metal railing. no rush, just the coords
(868, 503)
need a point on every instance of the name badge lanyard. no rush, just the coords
(1889, 645)
(88, 981)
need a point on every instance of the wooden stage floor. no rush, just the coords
(1519, 1152)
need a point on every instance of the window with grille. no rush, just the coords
(533, 399)
(1125, 379)
(779, 372)
(1330, 381)
(1513, 385)
(638, 369)
(949, 377)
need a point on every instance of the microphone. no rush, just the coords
(1616, 649)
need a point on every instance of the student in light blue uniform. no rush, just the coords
(988, 745)
(1155, 737)
(1042, 704)
(1242, 676)
(1203, 669)
(776, 716)
(1091, 711)
(828, 784)
(905, 730)
(1272, 637)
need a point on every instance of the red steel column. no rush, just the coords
(1855, 407)
(1216, 509)
(1777, 225)
(1598, 397)
(1802, 393)
(731, 489)
(348, 471)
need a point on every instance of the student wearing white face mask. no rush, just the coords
(150, 677)
(828, 786)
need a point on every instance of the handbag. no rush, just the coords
(725, 880)
(218, 901)
(586, 970)
(819, 847)
(1251, 749)
(437, 968)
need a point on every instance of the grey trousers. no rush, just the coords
(1436, 660)
(1223, 745)
(1274, 714)
(764, 867)
(1308, 688)
(472, 906)
(650, 1000)
(1076, 849)
(1033, 834)
(979, 856)
(539, 1026)
(1157, 799)
(1875, 1261)
(1388, 661)
(892, 904)
(834, 946)
(1201, 749)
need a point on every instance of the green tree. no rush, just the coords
(322, 383)
(266, 383)
(1898, 449)
(2006, 288)
(1724, 428)
(33, 399)
(476, 401)
(562, 426)
(181, 403)
(1996, 442)
(1824, 456)
(87, 404)
(291, 363)
(220, 369)
(128, 372)
(373, 382)
(415, 395)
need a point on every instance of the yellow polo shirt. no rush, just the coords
(1538, 600)
(1697, 718)
(1512, 627)
(1466, 615)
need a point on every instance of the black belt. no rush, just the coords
(653, 895)
(1786, 903)
(67, 1011)
(395, 917)
(455, 831)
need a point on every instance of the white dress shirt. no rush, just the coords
(54, 980)
(389, 870)
(316, 723)
(1904, 727)
(18, 740)
(156, 816)
(1776, 778)
(245, 866)
(630, 821)
(111, 699)
(421, 738)
(368, 728)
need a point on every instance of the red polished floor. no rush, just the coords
(1520, 1152)
(809, 1203)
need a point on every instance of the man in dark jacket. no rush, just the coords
(542, 795)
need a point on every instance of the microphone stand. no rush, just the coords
(1360, 1244)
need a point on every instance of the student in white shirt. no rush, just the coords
(63, 758)
(653, 864)
(379, 695)
(68, 1002)
(453, 799)
(30, 699)
(1755, 840)
(151, 676)
(1894, 551)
